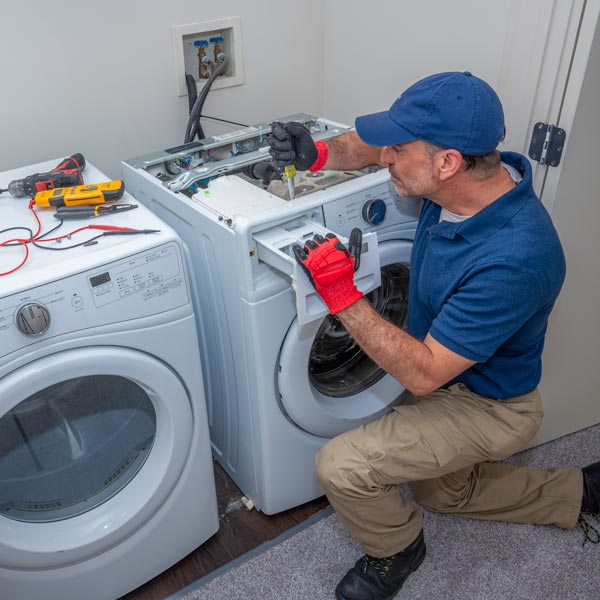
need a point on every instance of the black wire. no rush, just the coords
(68, 247)
(192, 91)
(197, 109)
(12, 229)
(43, 235)
(224, 120)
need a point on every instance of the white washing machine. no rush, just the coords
(281, 375)
(106, 476)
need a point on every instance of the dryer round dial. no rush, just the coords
(374, 211)
(32, 319)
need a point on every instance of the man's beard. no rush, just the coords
(412, 190)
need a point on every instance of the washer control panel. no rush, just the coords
(371, 209)
(141, 285)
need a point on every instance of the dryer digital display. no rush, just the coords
(99, 279)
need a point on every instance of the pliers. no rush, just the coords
(71, 213)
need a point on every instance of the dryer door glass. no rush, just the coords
(72, 446)
(337, 366)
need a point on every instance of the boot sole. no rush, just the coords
(415, 567)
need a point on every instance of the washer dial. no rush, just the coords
(32, 319)
(374, 211)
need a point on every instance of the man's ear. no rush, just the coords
(447, 163)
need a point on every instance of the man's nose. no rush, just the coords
(387, 156)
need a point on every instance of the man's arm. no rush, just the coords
(348, 152)
(420, 367)
(292, 143)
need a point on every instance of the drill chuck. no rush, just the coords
(16, 188)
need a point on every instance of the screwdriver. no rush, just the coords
(290, 172)
(71, 213)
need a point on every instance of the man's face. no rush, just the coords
(411, 169)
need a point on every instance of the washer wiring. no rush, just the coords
(39, 239)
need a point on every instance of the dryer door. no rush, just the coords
(327, 384)
(92, 442)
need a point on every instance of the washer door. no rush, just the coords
(327, 384)
(92, 442)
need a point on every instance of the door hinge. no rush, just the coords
(547, 143)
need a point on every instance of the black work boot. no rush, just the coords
(590, 504)
(381, 578)
(591, 489)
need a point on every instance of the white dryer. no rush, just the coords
(279, 386)
(106, 477)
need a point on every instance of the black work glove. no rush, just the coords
(291, 144)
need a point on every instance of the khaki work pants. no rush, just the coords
(441, 444)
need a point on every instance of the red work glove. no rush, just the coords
(330, 268)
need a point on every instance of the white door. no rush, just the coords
(533, 52)
(86, 458)
(327, 384)
(570, 373)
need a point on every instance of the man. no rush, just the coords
(486, 269)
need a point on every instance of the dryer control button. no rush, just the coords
(374, 211)
(32, 319)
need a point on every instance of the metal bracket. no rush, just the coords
(547, 143)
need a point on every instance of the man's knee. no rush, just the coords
(333, 461)
(430, 495)
(444, 494)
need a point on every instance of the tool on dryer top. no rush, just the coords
(70, 213)
(82, 195)
(67, 173)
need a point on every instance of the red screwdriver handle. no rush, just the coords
(75, 161)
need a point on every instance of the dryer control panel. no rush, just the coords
(141, 285)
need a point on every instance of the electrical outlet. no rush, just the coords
(197, 43)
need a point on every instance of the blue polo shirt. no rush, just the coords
(484, 287)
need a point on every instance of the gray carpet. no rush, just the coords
(466, 559)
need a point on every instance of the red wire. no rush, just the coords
(99, 227)
(24, 241)
(20, 265)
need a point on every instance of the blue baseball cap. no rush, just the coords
(453, 110)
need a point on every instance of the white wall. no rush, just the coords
(99, 77)
(374, 50)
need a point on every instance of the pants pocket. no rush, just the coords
(441, 440)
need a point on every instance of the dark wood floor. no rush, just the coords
(240, 530)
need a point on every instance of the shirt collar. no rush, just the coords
(494, 216)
